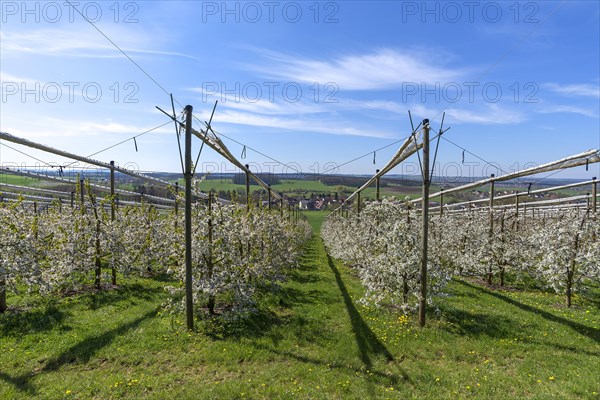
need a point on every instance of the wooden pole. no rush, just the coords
(269, 199)
(589, 202)
(377, 186)
(189, 301)
(425, 216)
(2, 294)
(594, 196)
(247, 189)
(517, 212)
(176, 202)
(358, 204)
(441, 201)
(211, 298)
(491, 225)
(112, 210)
(81, 189)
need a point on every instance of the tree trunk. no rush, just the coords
(2, 295)
(404, 289)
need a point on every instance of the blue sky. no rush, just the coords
(311, 84)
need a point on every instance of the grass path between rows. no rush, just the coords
(312, 340)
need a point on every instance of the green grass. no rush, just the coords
(312, 340)
(18, 180)
(306, 187)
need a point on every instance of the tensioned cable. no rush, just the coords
(121, 142)
(28, 155)
(118, 48)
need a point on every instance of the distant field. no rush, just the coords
(18, 180)
(306, 187)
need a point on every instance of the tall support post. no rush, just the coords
(425, 216)
(81, 190)
(211, 298)
(358, 204)
(2, 294)
(491, 225)
(176, 198)
(594, 196)
(589, 203)
(247, 189)
(112, 211)
(269, 199)
(441, 201)
(112, 190)
(517, 211)
(377, 186)
(189, 301)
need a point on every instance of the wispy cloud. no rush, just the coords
(382, 69)
(575, 90)
(82, 43)
(55, 127)
(260, 104)
(551, 109)
(490, 114)
(328, 126)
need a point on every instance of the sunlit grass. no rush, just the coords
(313, 340)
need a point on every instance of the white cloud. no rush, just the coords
(333, 127)
(579, 90)
(490, 114)
(551, 109)
(81, 43)
(55, 127)
(382, 69)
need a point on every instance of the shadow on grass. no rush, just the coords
(477, 324)
(21, 383)
(584, 330)
(82, 352)
(33, 321)
(383, 378)
(366, 340)
(127, 294)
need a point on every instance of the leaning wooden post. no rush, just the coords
(358, 204)
(425, 216)
(189, 301)
(112, 210)
(491, 226)
(247, 188)
(441, 201)
(377, 186)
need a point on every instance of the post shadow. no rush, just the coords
(81, 352)
(366, 340)
(592, 333)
